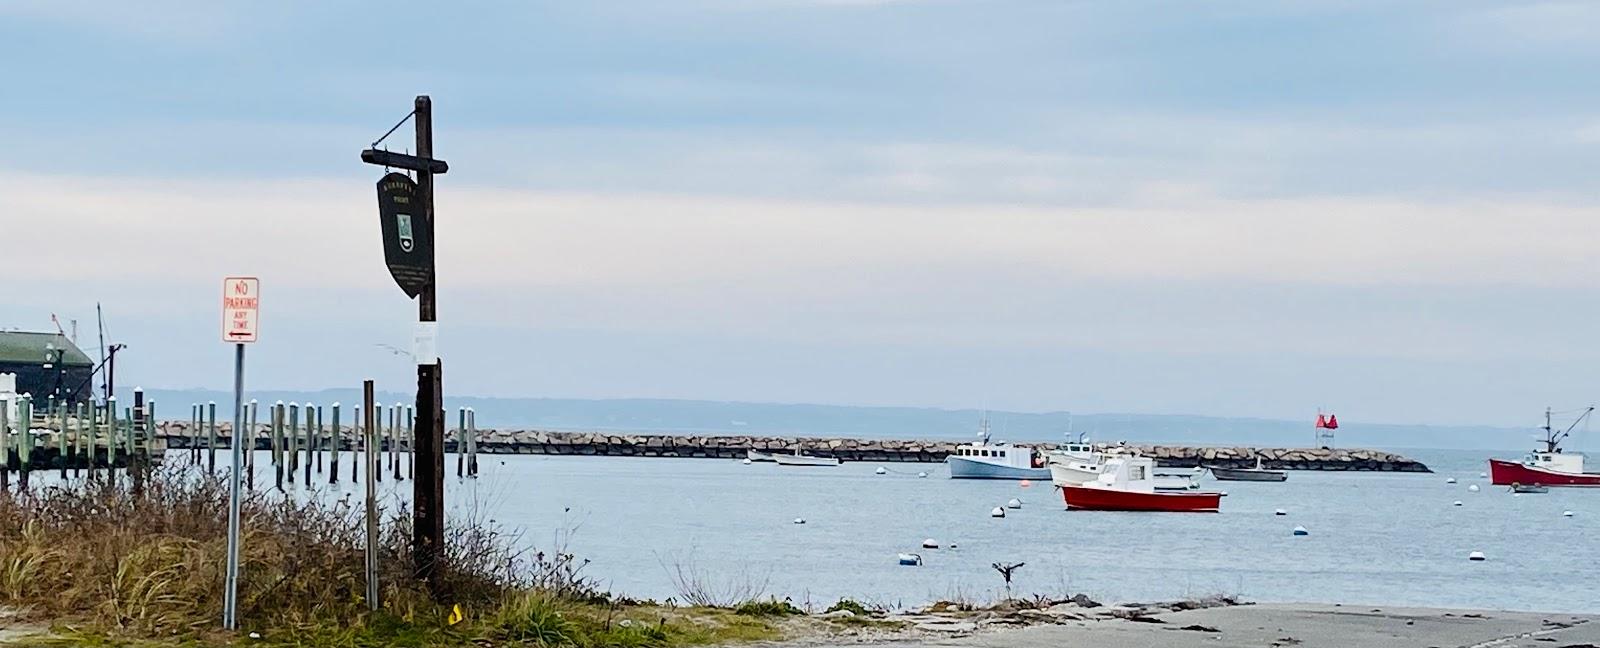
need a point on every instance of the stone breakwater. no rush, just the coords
(490, 441)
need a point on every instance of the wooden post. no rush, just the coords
(411, 442)
(25, 441)
(211, 437)
(250, 449)
(358, 441)
(5, 445)
(311, 422)
(277, 445)
(472, 459)
(377, 424)
(333, 457)
(394, 441)
(461, 441)
(94, 438)
(61, 442)
(292, 443)
(111, 439)
(321, 438)
(369, 407)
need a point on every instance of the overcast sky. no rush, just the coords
(1384, 209)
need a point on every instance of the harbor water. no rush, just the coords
(1373, 538)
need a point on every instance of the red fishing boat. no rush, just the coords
(1128, 484)
(1548, 466)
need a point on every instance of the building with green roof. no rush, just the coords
(46, 364)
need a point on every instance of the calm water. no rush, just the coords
(1375, 538)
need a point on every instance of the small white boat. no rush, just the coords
(985, 460)
(757, 455)
(1075, 463)
(801, 459)
(1177, 481)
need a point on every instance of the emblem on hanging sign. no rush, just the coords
(407, 240)
(241, 309)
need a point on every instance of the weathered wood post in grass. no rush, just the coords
(61, 441)
(371, 437)
(111, 439)
(333, 459)
(377, 424)
(311, 431)
(472, 457)
(405, 211)
(461, 441)
(193, 432)
(292, 443)
(322, 438)
(150, 426)
(136, 431)
(78, 424)
(211, 438)
(277, 445)
(25, 441)
(93, 441)
(5, 445)
(394, 441)
(358, 441)
(250, 449)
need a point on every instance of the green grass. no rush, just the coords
(768, 608)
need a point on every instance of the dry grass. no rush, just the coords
(106, 566)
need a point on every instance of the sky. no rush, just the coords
(1386, 210)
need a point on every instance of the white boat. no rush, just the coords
(757, 455)
(801, 459)
(1178, 481)
(1129, 484)
(985, 460)
(1074, 463)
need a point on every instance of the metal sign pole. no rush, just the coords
(241, 303)
(230, 605)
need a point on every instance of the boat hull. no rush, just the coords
(757, 455)
(1248, 474)
(1071, 474)
(1506, 473)
(1107, 499)
(963, 468)
(804, 460)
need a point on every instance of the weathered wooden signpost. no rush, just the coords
(405, 212)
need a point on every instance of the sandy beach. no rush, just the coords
(1284, 625)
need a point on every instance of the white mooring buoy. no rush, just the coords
(1472, 489)
(997, 512)
(1451, 480)
(922, 475)
(748, 462)
(1477, 555)
(799, 520)
(1566, 514)
(1457, 503)
(1483, 475)
(881, 470)
(930, 543)
(909, 559)
(1301, 531)
(1014, 503)
(1280, 512)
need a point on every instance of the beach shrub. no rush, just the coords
(768, 607)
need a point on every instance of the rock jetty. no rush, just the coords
(616, 444)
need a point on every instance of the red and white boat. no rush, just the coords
(1548, 466)
(1129, 484)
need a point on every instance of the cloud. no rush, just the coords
(324, 232)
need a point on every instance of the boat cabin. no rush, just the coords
(1127, 474)
(1557, 461)
(1000, 454)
